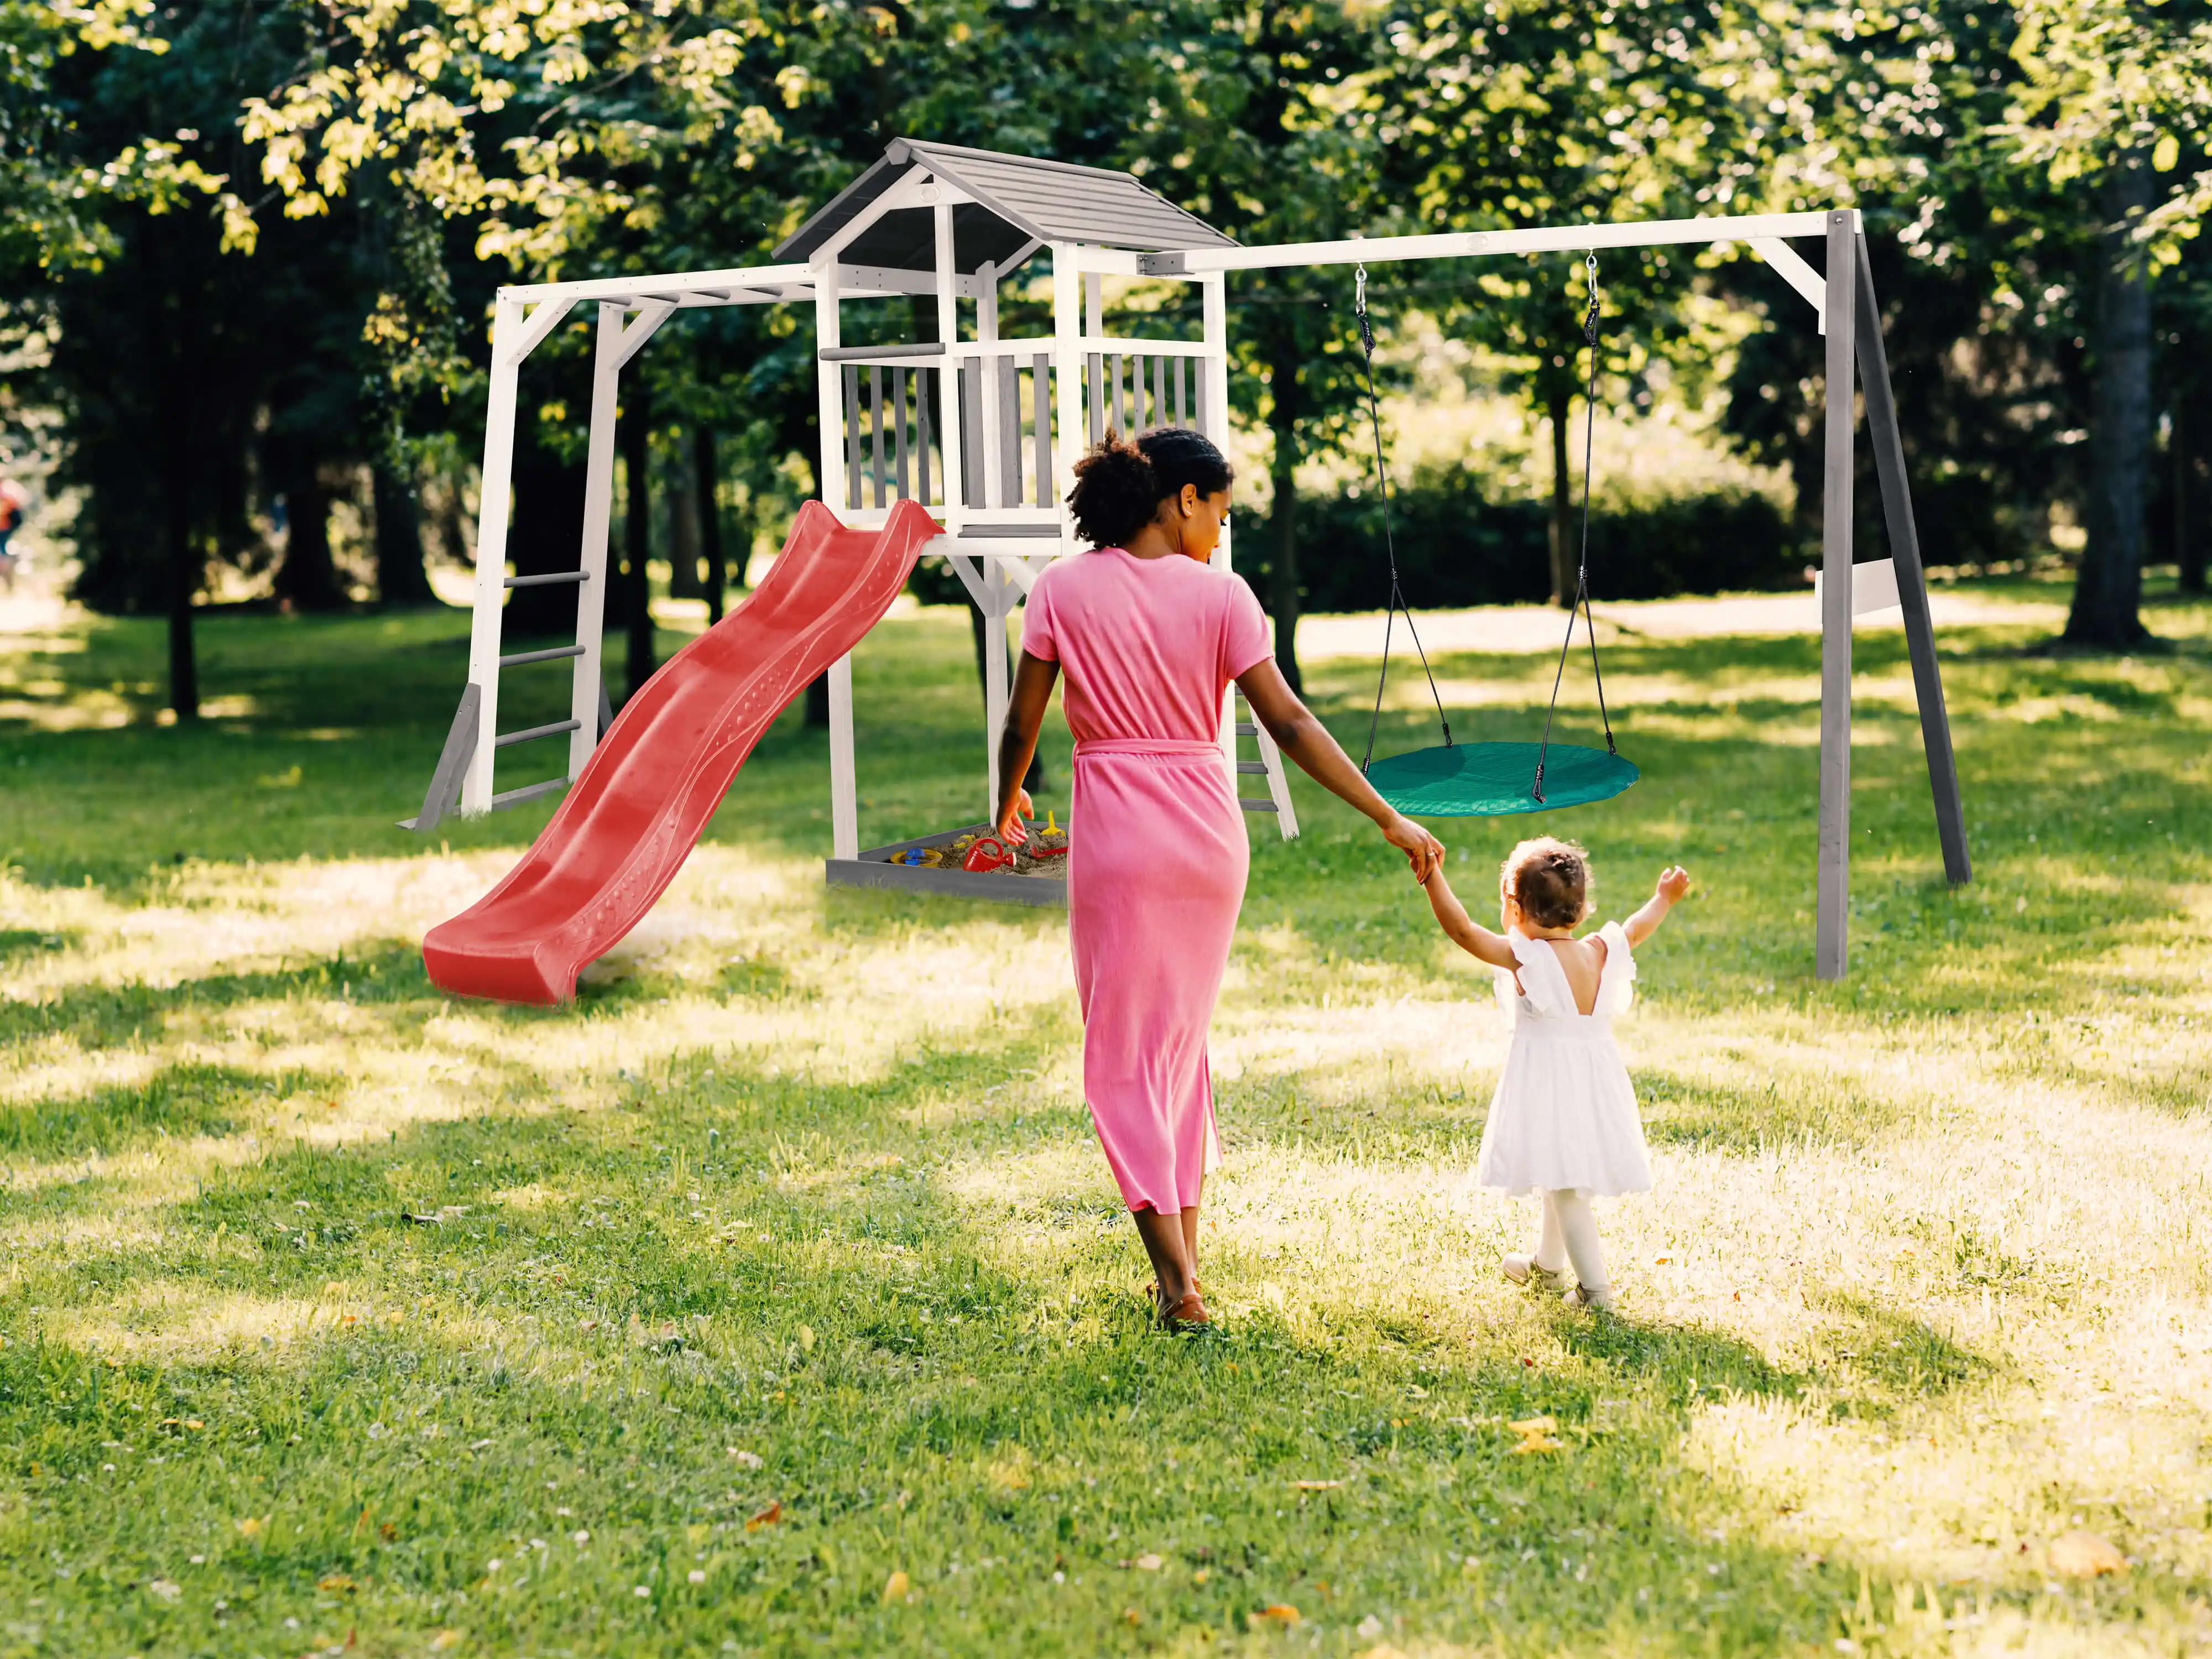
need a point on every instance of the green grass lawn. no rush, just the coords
(775, 1298)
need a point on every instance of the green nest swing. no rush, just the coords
(1490, 780)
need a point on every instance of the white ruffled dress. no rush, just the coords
(1564, 1115)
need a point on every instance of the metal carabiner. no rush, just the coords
(1359, 290)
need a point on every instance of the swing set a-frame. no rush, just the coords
(981, 433)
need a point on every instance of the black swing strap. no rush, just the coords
(1582, 573)
(1389, 551)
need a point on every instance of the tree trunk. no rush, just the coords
(706, 474)
(2108, 592)
(2188, 536)
(184, 572)
(637, 538)
(307, 580)
(1558, 407)
(679, 492)
(401, 580)
(544, 536)
(1283, 514)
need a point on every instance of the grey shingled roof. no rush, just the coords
(1017, 198)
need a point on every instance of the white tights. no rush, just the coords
(1569, 1234)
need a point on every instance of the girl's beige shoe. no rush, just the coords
(1522, 1268)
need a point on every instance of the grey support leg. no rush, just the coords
(1832, 902)
(444, 794)
(1911, 580)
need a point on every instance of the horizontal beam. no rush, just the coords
(1553, 238)
(718, 282)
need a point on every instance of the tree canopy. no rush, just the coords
(256, 238)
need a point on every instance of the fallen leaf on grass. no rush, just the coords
(767, 1517)
(750, 1460)
(250, 1526)
(336, 1582)
(168, 1589)
(1275, 1612)
(895, 1587)
(2085, 1555)
(445, 1638)
(1535, 1425)
(1316, 1486)
(1536, 1443)
(806, 1338)
(1145, 1563)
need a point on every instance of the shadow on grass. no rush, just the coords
(179, 1100)
(1698, 1115)
(902, 1395)
(99, 1016)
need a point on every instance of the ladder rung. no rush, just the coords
(1246, 729)
(536, 731)
(558, 650)
(551, 580)
(530, 791)
(1251, 806)
(1252, 766)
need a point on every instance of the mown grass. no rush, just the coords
(679, 1322)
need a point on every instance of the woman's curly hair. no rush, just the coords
(1119, 484)
(1549, 879)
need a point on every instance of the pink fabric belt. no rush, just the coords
(1145, 746)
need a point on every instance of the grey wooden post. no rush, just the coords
(1832, 902)
(1911, 580)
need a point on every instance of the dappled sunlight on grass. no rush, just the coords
(797, 1211)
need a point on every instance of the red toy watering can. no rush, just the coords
(988, 854)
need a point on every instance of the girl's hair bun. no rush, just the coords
(1549, 879)
(1119, 484)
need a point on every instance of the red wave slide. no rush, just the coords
(631, 820)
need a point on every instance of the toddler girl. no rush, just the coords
(1564, 1123)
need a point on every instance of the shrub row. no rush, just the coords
(1457, 547)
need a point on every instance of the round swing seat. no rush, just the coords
(1493, 780)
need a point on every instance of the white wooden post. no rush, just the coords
(948, 380)
(492, 512)
(599, 507)
(1001, 590)
(1093, 304)
(1833, 898)
(988, 405)
(1213, 301)
(844, 792)
(1067, 286)
(829, 393)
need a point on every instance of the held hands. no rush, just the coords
(1673, 882)
(1010, 825)
(1423, 851)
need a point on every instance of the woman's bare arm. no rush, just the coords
(1470, 935)
(1307, 741)
(1033, 679)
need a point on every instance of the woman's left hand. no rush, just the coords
(1010, 826)
(1422, 850)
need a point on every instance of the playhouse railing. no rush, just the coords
(894, 407)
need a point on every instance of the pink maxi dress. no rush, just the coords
(1156, 856)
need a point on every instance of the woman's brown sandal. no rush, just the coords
(1189, 1314)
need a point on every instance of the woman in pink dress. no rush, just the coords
(1150, 639)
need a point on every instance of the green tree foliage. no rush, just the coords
(330, 188)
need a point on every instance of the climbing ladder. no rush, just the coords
(1269, 766)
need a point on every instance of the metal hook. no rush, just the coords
(1359, 290)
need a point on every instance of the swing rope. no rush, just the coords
(1582, 573)
(1389, 551)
